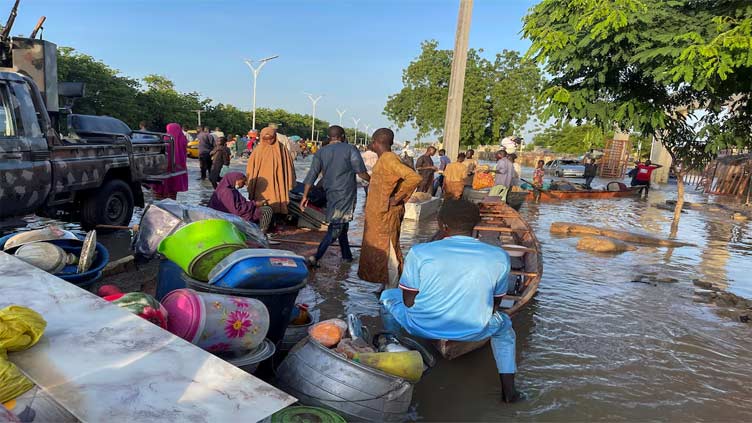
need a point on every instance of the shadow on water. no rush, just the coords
(593, 344)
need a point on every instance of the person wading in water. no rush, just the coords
(392, 183)
(338, 162)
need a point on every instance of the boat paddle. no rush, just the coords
(539, 190)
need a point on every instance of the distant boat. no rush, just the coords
(515, 199)
(594, 194)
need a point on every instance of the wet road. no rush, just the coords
(593, 345)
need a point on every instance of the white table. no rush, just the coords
(103, 363)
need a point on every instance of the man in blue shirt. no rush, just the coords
(443, 162)
(337, 163)
(438, 299)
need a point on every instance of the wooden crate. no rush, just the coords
(614, 162)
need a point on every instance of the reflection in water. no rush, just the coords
(593, 344)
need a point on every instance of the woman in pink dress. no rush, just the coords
(170, 187)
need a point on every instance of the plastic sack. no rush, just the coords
(329, 332)
(162, 218)
(483, 180)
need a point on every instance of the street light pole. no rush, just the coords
(366, 138)
(355, 121)
(313, 116)
(198, 112)
(341, 113)
(255, 71)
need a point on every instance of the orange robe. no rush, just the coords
(390, 178)
(454, 180)
(271, 172)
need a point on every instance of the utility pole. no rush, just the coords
(457, 81)
(355, 121)
(313, 116)
(255, 71)
(341, 113)
(198, 112)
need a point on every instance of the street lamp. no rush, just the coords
(355, 121)
(365, 141)
(256, 71)
(313, 116)
(341, 113)
(198, 112)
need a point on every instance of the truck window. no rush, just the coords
(7, 123)
(25, 108)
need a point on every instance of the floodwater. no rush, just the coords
(594, 344)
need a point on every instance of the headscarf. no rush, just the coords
(271, 172)
(228, 199)
(176, 183)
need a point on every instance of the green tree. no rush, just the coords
(626, 64)
(570, 139)
(498, 99)
(107, 91)
(161, 104)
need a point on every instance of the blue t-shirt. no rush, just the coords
(456, 279)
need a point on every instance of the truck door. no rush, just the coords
(25, 172)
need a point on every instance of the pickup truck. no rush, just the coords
(92, 175)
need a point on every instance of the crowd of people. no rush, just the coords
(414, 288)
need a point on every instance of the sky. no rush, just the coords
(351, 52)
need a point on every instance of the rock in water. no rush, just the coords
(565, 228)
(601, 244)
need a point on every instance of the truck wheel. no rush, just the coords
(111, 204)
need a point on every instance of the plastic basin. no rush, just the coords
(85, 279)
(279, 302)
(259, 268)
(199, 246)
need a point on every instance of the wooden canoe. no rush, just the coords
(500, 225)
(514, 199)
(549, 195)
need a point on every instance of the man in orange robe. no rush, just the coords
(271, 172)
(392, 183)
(455, 175)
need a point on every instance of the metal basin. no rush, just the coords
(317, 376)
(293, 335)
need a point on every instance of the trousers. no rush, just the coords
(394, 315)
(438, 182)
(336, 231)
(205, 162)
(588, 181)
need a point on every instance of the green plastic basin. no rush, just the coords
(199, 246)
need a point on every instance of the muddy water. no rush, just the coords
(594, 344)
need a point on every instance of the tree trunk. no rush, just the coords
(679, 201)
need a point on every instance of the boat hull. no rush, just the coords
(515, 199)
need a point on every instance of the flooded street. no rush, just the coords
(608, 337)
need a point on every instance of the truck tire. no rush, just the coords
(111, 204)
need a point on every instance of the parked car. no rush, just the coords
(564, 168)
(192, 144)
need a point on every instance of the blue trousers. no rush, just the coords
(437, 183)
(499, 328)
(336, 231)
